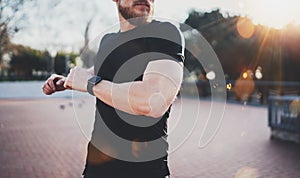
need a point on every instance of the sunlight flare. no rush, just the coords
(274, 13)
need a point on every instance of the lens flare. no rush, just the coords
(229, 86)
(245, 27)
(274, 13)
(244, 85)
(245, 75)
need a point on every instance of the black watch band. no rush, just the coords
(91, 83)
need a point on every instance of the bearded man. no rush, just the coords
(136, 77)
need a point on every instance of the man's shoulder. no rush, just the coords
(109, 39)
(167, 31)
(109, 36)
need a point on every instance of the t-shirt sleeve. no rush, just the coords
(168, 41)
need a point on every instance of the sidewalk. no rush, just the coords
(41, 138)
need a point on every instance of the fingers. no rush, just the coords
(47, 89)
(68, 82)
(60, 82)
(50, 86)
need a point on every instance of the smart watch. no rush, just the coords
(91, 83)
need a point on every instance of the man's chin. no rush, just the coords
(142, 14)
(139, 13)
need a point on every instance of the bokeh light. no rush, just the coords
(295, 108)
(258, 73)
(245, 75)
(229, 86)
(211, 75)
(245, 27)
(247, 172)
(244, 85)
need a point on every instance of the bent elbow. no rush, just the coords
(154, 105)
(149, 112)
(152, 108)
(158, 105)
(142, 110)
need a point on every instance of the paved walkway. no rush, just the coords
(41, 138)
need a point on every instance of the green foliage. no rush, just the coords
(31, 64)
(25, 59)
(72, 57)
(62, 62)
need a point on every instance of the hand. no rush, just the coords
(77, 79)
(53, 84)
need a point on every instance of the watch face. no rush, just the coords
(95, 80)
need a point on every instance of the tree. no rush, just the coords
(25, 59)
(10, 15)
(62, 62)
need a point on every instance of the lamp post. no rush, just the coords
(67, 59)
(53, 53)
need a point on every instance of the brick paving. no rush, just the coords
(41, 138)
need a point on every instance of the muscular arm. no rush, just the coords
(150, 97)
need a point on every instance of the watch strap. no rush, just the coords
(91, 83)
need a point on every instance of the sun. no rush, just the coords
(273, 13)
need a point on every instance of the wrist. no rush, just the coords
(94, 80)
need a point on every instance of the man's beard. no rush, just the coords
(131, 17)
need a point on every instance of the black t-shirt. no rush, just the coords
(123, 57)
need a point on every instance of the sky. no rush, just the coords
(59, 24)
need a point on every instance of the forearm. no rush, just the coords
(138, 98)
(150, 97)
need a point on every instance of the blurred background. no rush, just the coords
(257, 43)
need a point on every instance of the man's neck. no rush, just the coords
(125, 25)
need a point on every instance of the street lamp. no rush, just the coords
(52, 53)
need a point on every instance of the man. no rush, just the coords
(137, 74)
